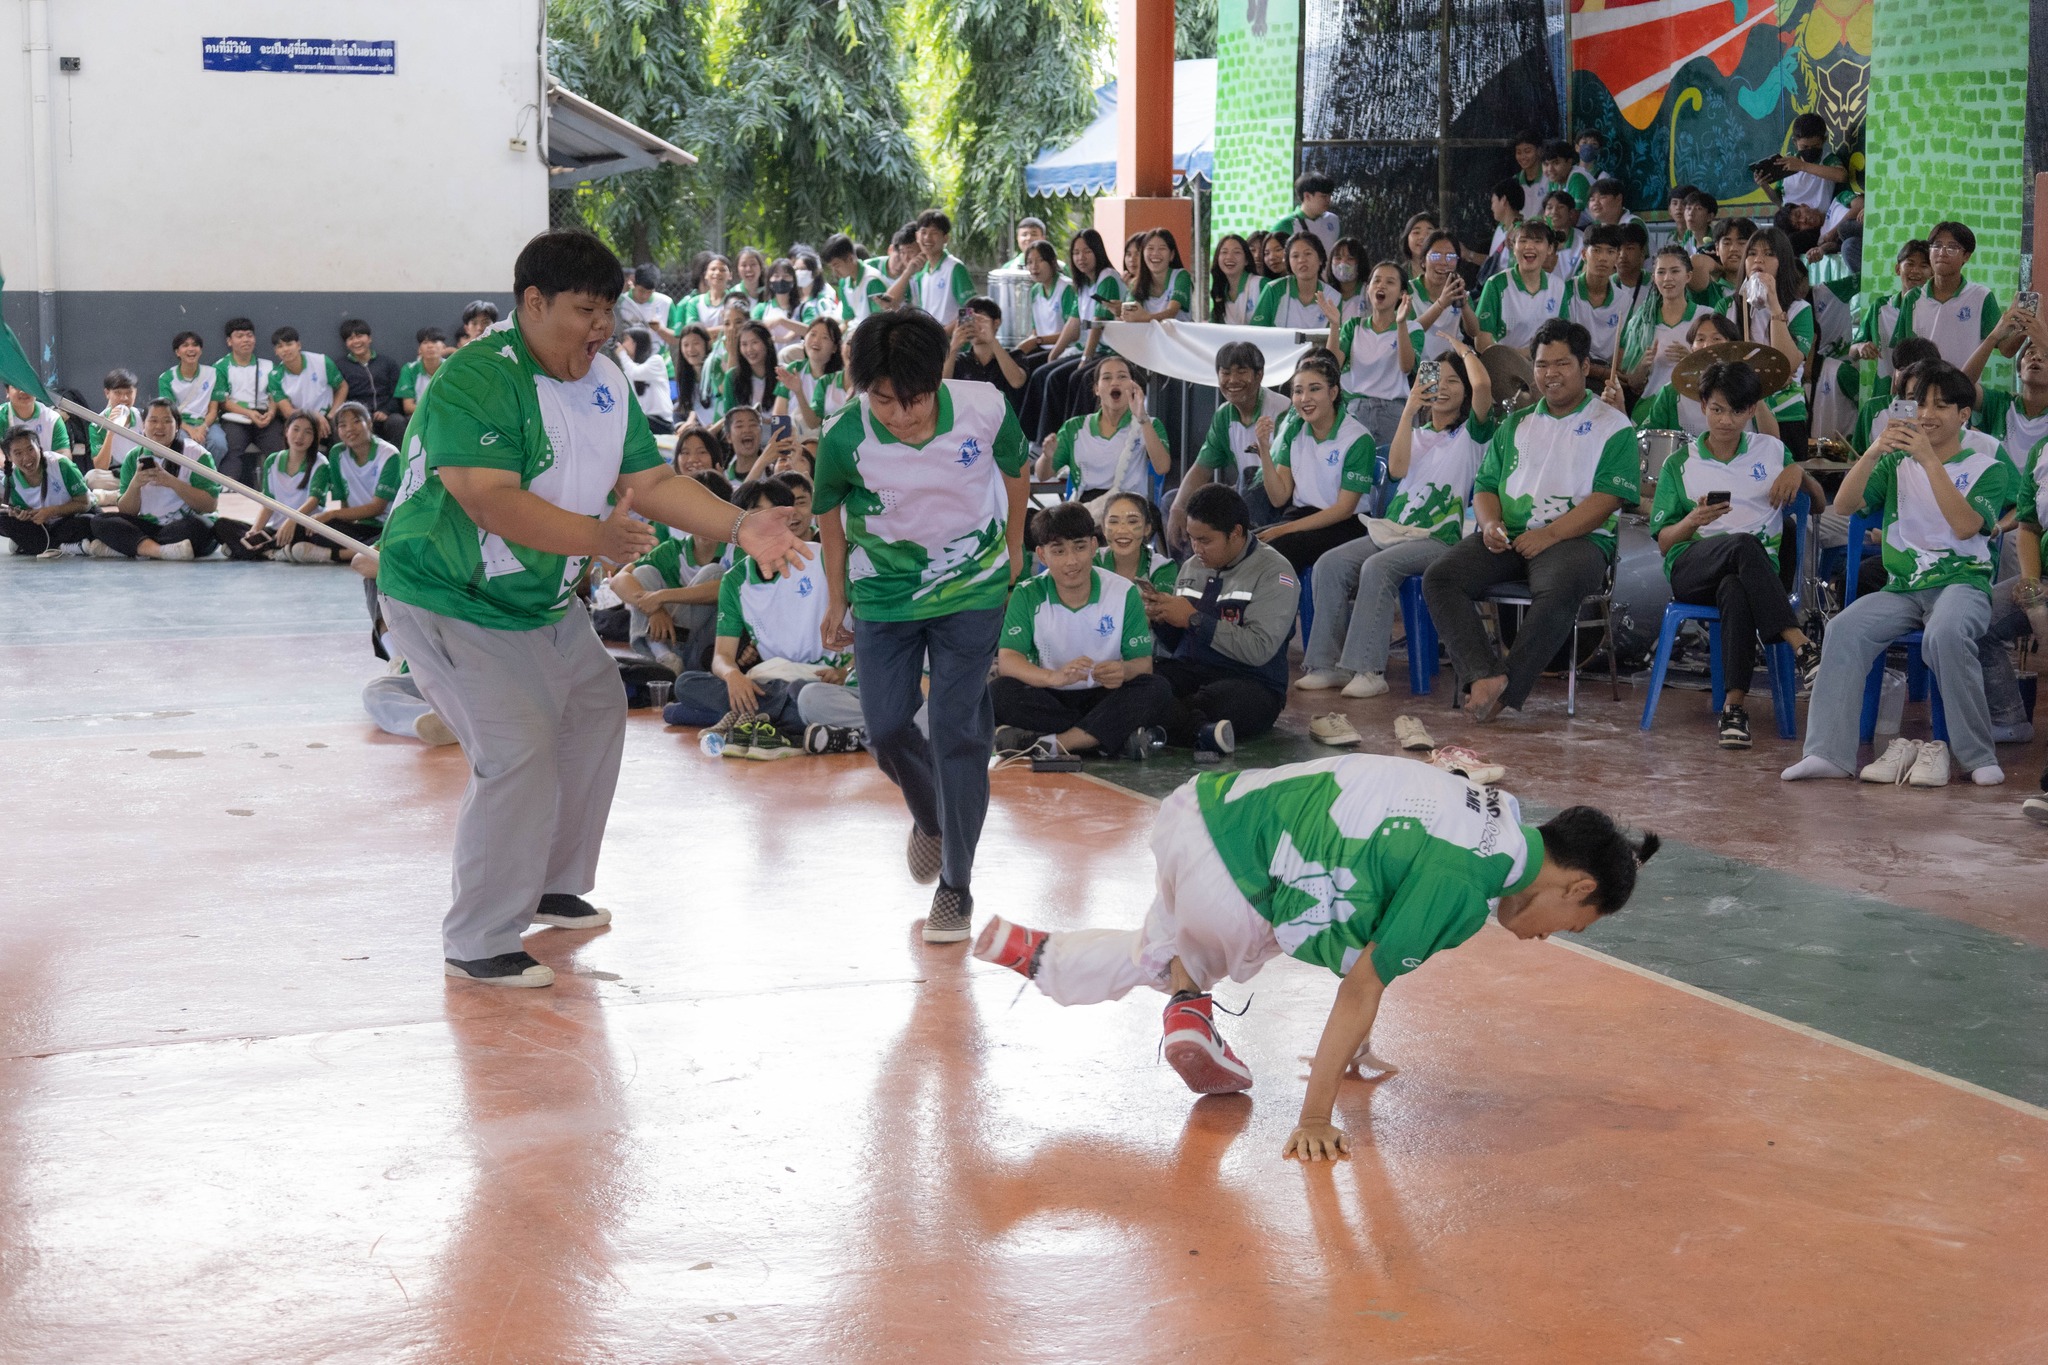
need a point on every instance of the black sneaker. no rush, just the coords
(925, 854)
(1735, 728)
(1015, 739)
(569, 912)
(1806, 661)
(1145, 743)
(951, 916)
(835, 739)
(506, 969)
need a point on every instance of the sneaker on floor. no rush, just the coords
(951, 916)
(506, 969)
(76, 547)
(716, 739)
(1010, 945)
(2035, 808)
(926, 853)
(1366, 685)
(570, 912)
(1409, 734)
(668, 659)
(54, 552)
(1217, 737)
(431, 729)
(1197, 1051)
(1015, 739)
(2020, 732)
(1321, 680)
(1735, 728)
(99, 549)
(1467, 763)
(1930, 766)
(1806, 663)
(1893, 764)
(178, 550)
(1144, 743)
(1333, 729)
(766, 742)
(834, 739)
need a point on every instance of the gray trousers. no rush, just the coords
(1360, 570)
(694, 622)
(1559, 579)
(394, 702)
(1954, 619)
(542, 719)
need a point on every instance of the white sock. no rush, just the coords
(1990, 775)
(1813, 765)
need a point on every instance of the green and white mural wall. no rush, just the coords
(1258, 49)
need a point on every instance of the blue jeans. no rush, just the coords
(944, 779)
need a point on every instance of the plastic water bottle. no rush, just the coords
(712, 743)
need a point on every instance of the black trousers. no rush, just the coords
(1304, 548)
(1044, 405)
(1202, 694)
(124, 534)
(1735, 573)
(229, 532)
(32, 539)
(1111, 714)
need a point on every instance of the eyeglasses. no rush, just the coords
(1946, 248)
(1442, 257)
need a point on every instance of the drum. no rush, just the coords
(1656, 447)
(1641, 592)
(1011, 290)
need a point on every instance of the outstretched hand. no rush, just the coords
(1317, 1142)
(621, 536)
(770, 536)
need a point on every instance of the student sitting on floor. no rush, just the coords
(45, 501)
(286, 476)
(1223, 630)
(1074, 671)
(1128, 524)
(361, 475)
(1321, 465)
(164, 512)
(753, 710)
(1941, 497)
(23, 410)
(392, 699)
(1720, 521)
(106, 451)
(672, 590)
(1116, 448)
(1435, 464)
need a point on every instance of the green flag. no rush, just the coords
(14, 366)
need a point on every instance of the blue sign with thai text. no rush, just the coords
(317, 56)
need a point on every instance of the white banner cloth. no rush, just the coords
(1187, 350)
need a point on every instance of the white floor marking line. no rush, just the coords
(2018, 1106)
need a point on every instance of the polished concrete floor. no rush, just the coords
(1785, 1108)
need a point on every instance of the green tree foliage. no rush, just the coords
(1194, 29)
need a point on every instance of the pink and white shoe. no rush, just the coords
(1197, 1051)
(1467, 763)
(1010, 945)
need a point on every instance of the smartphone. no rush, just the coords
(1903, 410)
(1715, 498)
(146, 462)
(1426, 372)
(2027, 301)
(779, 427)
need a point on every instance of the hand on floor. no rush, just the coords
(1317, 1142)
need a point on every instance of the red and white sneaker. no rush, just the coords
(1197, 1051)
(1010, 945)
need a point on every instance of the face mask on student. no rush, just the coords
(804, 278)
(1345, 272)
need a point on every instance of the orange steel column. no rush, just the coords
(1144, 133)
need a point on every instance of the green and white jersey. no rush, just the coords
(97, 436)
(1052, 309)
(1541, 466)
(413, 378)
(160, 504)
(1325, 468)
(192, 394)
(1954, 327)
(1693, 471)
(56, 483)
(1879, 325)
(856, 295)
(1579, 186)
(1534, 187)
(940, 289)
(675, 553)
(631, 312)
(1239, 307)
(926, 525)
(351, 483)
(1372, 366)
(493, 407)
(1438, 484)
(1602, 320)
(2031, 495)
(827, 392)
(247, 384)
(49, 428)
(1789, 403)
(1436, 341)
(312, 388)
(1092, 456)
(750, 391)
(1111, 624)
(1233, 442)
(1669, 410)
(1100, 299)
(1178, 287)
(1510, 311)
(785, 616)
(1813, 191)
(1325, 227)
(1161, 572)
(1920, 549)
(277, 478)
(1646, 334)
(2005, 416)
(1834, 315)
(1570, 252)
(1282, 305)
(1368, 854)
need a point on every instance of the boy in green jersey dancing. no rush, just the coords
(1363, 860)
(514, 458)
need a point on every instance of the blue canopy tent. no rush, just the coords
(1087, 166)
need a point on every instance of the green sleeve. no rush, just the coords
(732, 622)
(1012, 450)
(1658, 412)
(1672, 504)
(1480, 427)
(1268, 306)
(1109, 294)
(1620, 471)
(1908, 303)
(1801, 328)
(1345, 332)
(1165, 574)
(74, 482)
(276, 386)
(2028, 494)
(128, 467)
(1289, 225)
(163, 387)
(1137, 630)
(1019, 634)
(1358, 466)
(1063, 449)
(1866, 421)
(1488, 313)
(408, 381)
(321, 486)
(1430, 912)
(1579, 188)
(1070, 302)
(1988, 317)
(333, 372)
(390, 476)
(666, 559)
(1990, 415)
(962, 286)
(1283, 440)
(1216, 452)
(1883, 482)
(835, 472)
(1992, 493)
(1494, 465)
(1183, 290)
(60, 436)
(220, 383)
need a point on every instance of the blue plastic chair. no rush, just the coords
(1779, 666)
(1861, 525)
(1422, 642)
